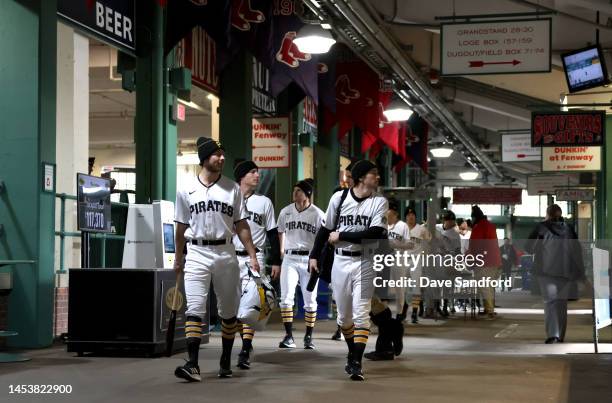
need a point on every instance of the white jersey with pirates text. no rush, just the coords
(398, 231)
(300, 227)
(210, 211)
(260, 218)
(356, 215)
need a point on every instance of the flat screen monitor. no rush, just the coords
(169, 238)
(585, 68)
(93, 203)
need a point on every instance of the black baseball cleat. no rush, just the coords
(243, 360)
(347, 366)
(287, 342)
(379, 356)
(337, 336)
(190, 372)
(308, 344)
(353, 368)
(224, 367)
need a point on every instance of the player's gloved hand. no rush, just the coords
(275, 271)
(255, 264)
(312, 266)
(334, 238)
(178, 265)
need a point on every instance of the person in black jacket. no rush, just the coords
(508, 256)
(558, 266)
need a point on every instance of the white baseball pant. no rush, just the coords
(219, 265)
(353, 285)
(294, 270)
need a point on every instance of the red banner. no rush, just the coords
(487, 196)
(197, 52)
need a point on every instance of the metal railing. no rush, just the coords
(62, 233)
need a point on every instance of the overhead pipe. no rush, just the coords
(361, 20)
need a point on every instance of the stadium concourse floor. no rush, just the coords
(458, 360)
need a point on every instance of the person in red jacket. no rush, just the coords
(484, 242)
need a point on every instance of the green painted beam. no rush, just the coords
(29, 36)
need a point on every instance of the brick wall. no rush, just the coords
(60, 314)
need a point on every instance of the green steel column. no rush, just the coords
(235, 111)
(29, 36)
(170, 139)
(327, 166)
(150, 90)
(287, 177)
(604, 184)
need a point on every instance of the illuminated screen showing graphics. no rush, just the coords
(584, 68)
(169, 238)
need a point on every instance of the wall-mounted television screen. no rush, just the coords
(585, 68)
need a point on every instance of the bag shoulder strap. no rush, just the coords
(342, 198)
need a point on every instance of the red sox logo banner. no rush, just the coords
(289, 63)
(243, 15)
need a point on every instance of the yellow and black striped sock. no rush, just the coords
(310, 317)
(361, 335)
(416, 300)
(287, 316)
(193, 333)
(348, 332)
(229, 328)
(247, 332)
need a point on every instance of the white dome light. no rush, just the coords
(397, 111)
(441, 152)
(468, 175)
(313, 39)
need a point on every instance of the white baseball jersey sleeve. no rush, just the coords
(210, 211)
(260, 218)
(300, 227)
(356, 215)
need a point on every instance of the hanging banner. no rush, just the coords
(571, 159)
(310, 122)
(197, 52)
(494, 47)
(262, 100)
(271, 139)
(549, 184)
(492, 195)
(575, 195)
(517, 148)
(112, 21)
(551, 129)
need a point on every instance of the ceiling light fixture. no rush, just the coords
(442, 151)
(468, 175)
(397, 111)
(312, 38)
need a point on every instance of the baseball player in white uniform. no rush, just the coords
(263, 225)
(418, 235)
(298, 224)
(398, 234)
(362, 216)
(209, 210)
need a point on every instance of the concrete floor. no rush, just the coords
(452, 361)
